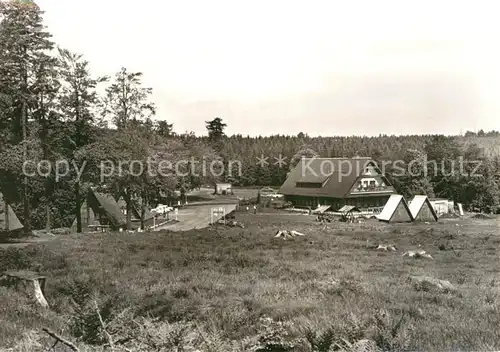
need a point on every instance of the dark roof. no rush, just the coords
(311, 178)
(110, 207)
(339, 175)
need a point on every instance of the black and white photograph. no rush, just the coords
(249, 176)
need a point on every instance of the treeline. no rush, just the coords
(436, 165)
(482, 133)
(56, 139)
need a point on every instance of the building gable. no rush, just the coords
(87, 216)
(375, 184)
(401, 213)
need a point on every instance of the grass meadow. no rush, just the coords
(233, 289)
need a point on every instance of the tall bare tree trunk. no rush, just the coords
(77, 181)
(24, 122)
(78, 206)
(26, 204)
(47, 219)
(87, 212)
(48, 193)
(7, 220)
(143, 211)
(44, 137)
(128, 199)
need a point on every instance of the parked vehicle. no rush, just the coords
(162, 209)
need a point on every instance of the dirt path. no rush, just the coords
(195, 217)
(21, 243)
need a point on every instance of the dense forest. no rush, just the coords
(59, 136)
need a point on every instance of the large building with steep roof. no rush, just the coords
(337, 182)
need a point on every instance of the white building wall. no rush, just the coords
(440, 206)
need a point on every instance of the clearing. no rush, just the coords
(213, 288)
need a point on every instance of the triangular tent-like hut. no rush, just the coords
(100, 209)
(8, 219)
(396, 210)
(422, 210)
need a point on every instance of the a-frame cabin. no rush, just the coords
(8, 219)
(100, 210)
(396, 210)
(422, 210)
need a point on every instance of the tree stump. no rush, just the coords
(28, 278)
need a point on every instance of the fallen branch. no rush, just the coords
(108, 336)
(60, 339)
(417, 254)
(386, 247)
(285, 234)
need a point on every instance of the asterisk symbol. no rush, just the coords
(262, 160)
(280, 160)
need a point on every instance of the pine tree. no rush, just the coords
(215, 129)
(24, 44)
(77, 99)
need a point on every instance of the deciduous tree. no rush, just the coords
(127, 100)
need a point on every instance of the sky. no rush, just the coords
(283, 67)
